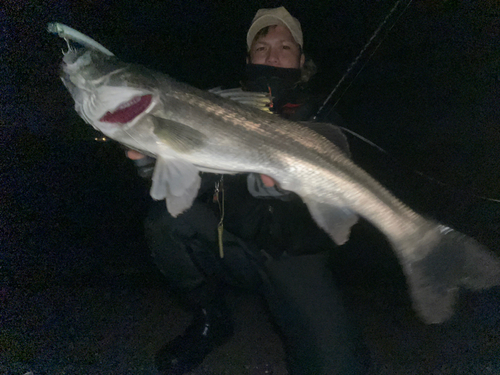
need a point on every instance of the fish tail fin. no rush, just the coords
(454, 260)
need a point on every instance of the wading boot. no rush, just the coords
(211, 327)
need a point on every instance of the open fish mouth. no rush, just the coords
(128, 111)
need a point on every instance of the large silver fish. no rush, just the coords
(190, 130)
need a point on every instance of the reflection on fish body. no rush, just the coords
(190, 130)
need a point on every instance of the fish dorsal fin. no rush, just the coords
(180, 137)
(334, 220)
(177, 181)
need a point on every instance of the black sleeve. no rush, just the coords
(145, 167)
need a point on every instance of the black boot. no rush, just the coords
(210, 328)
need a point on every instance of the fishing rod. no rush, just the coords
(361, 53)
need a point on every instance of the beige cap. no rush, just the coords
(274, 16)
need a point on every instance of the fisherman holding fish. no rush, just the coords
(268, 183)
(270, 243)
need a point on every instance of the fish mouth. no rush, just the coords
(128, 111)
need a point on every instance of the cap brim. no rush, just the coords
(262, 22)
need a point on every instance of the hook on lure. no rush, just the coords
(70, 34)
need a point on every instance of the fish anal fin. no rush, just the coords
(177, 181)
(334, 220)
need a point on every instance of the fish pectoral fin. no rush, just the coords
(334, 220)
(177, 181)
(178, 136)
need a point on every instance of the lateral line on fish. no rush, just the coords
(67, 32)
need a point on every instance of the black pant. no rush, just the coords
(299, 290)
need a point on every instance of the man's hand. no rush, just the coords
(134, 155)
(267, 181)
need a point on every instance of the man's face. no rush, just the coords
(277, 48)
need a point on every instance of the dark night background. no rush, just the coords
(78, 292)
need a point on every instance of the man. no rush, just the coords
(271, 245)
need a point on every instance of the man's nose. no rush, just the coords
(272, 57)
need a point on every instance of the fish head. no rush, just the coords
(109, 95)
